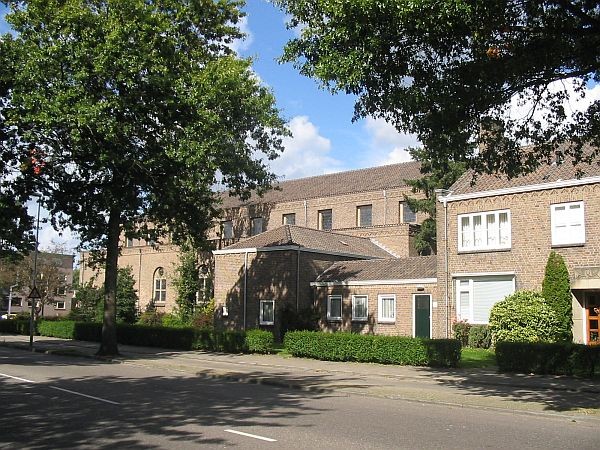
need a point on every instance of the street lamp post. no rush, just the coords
(34, 295)
(10, 291)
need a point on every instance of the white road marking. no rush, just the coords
(84, 395)
(17, 378)
(61, 389)
(262, 438)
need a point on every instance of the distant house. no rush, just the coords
(54, 283)
(494, 237)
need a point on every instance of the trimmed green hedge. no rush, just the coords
(369, 348)
(548, 358)
(180, 338)
(16, 326)
(259, 341)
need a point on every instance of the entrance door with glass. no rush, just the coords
(592, 312)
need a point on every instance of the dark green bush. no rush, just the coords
(220, 341)
(556, 290)
(64, 329)
(259, 341)
(548, 358)
(148, 336)
(461, 332)
(369, 348)
(479, 336)
(16, 326)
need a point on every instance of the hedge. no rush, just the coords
(369, 348)
(180, 338)
(548, 358)
(259, 341)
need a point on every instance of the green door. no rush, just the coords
(422, 315)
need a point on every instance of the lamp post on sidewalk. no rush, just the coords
(34, 295)
(10, 292)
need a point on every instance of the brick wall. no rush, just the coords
(403, 325)
(530, 238)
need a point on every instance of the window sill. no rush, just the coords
(338, 320)
(360, 320)
(384, 322)
(580, 244)
(487, 250)
(266, 323)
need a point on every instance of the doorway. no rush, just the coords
(592, 318)
(422, 315)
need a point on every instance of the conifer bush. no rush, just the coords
(556, 290)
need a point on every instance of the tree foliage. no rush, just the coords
(127, 298)
(187, 283)
(449, 71)
(133, 109)
(524, 317)
(556, 289)
(433, 177)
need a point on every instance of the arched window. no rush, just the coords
(160, 286)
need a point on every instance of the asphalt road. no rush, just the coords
(55, 402)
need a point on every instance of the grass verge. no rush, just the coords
(477, 358)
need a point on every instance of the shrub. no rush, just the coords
(480, 336)
(556, 290)
(461, 332)
(150, 336)
(64, 329)
(523, 317)
(173, 321)
(220, 341)
(548, 358)
(16, 326)
(204, 315)
(151, 316)
(259, 341)
(369, 348)
(306, 319)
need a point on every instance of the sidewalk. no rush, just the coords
(464, 387)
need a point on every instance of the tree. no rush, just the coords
(449, 71)
(87, 303)
(187, 283)
(556, 290)
(133, 110)
(127, 299)
(434, 177)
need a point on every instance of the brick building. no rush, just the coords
(367, 203)
(494, 237)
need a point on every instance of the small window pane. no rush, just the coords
(334, 307)
(364, 216)
(408, 215)
(257, 226)
(289, 219)
(325, 219)
(267, 312)
(359, 307)
(228, 229)
(387, 308)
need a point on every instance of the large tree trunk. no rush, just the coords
(108, 346)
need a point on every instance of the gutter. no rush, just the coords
(443, 198)
(245, 286)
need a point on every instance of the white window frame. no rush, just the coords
(470, 290)
(16, 302)
(128, 242)
(284, 218)
(380, 317)
(358, 215)
(227, 226)
(64, 305)
(261, 319)
(484, 231)
(253, 225)
(356, 318)
(575, 226)
(403, 211)
(321, 213)
(159, 275)
(331, 317)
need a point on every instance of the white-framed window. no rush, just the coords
(267, 312)
(386, 308)
(325, 219)
(16, 301)
(227, 229)
(360, 307)
(364, 216)
(128, 242)
(60, 305)
(476, 296)
(568, 223)
(256, 224)
(288, 219)
(160, 286)
(407, 215)
(334, 307)
(484, 231)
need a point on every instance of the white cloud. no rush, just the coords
(520, 110)
(243, 44)
(387, 145)
(297, 30)
(306, 152)
(49, 238)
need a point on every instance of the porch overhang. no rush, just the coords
(585, 278)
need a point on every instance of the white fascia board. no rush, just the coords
(374, 282)
(482, 274)
(521, 189)
(290, 247)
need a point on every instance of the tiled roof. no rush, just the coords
(544, 174)
(417, 267)
(363, 180)
(312, 239)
